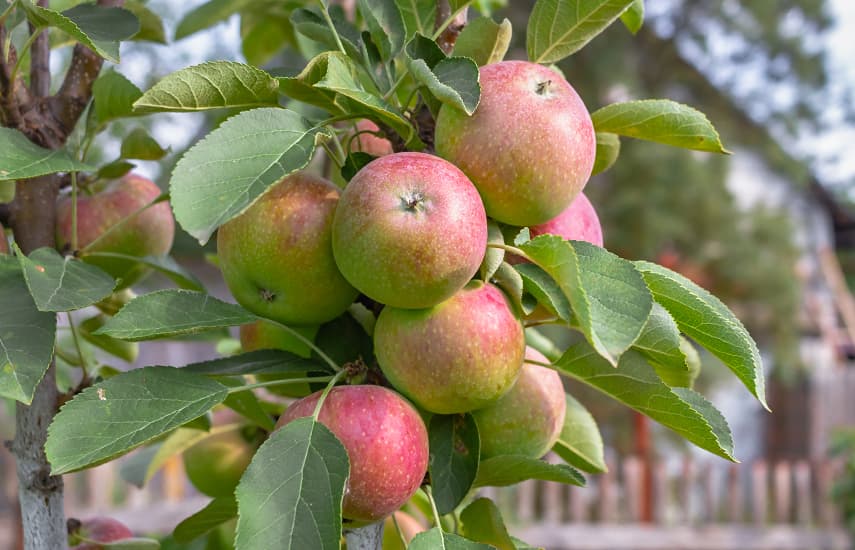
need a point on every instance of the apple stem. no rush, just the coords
(369, 537)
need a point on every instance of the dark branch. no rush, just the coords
(40, 61)
(449, 36)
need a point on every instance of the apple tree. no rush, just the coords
(394, 220)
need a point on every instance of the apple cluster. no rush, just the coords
(408, 233)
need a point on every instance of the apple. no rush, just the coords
(216, 464)
(4, 244)
(578, 222)
(529, 147)
(410, 230)
(528, 419)
(277, 256)
(455, 357)
(149, 233)
(265, 335)
(409, 526)
(98, 529)
(386, 441)
(367, 142)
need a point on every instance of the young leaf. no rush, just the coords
(419, 16)
(263, 361)
(211, 85)
(504, 470)
(217, 512)
(703, 317)
(609, 298)
(454, 451)
(482, 522)
(437, 539)
(151, 25)
(141, 146)
(222, 175)
(165, 265)
(167, 313)
(114, 96)
(60, 283)
(21, 159)
(580, 443)
(207, 15)
(509, 280)
(662, 121)
(290, 496)
(385, 24)
(26, 335)
(484, 41)
(558, 28)
(633, 17)
(635, 384)
(98, 28)
(494, 257)
(660, 343)
(125, 411)
(126, 351)
(545, 290)
(608, 150)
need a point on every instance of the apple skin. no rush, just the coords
(277, 256)
(529, 147)
(369, 143)
(99, 529)
(578, 222)
(386, 441)
(216, 464)
(410, 230)
(4, 244)
(458, 356)
(264, 335)
(528, 419)
(149, 233)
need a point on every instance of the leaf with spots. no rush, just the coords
(63, 283)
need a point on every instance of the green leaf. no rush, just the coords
(354, 162)
(510, 281)
(494, 257)
(437, 539)
(662, 121)
(703, 317)
(126, 351)
(151, 25)
(246, 404)
(165, 265)
(98, 28)
(484, 41)
(264, 32)
(211, 85)
(221, 176)
(633, 17)
(559, 28)
(482, 522)
(133, 468)
(141, 146)
(207, 15)
(385, 25)
(179, 441)
(114, 97)
(454, 450)
(635, 384)
(310, 23)
(217, 512)
(545, 290)
(26, 335)
(171, 312)
(290, 496)
(454, 81)
(21, 159)
(60, 283)
(419, 16)
(504, 470)
(580, 443)
(125, 411)
(264, 361)
(661, 344)
(608, 150)
(609, 298)
(133, 543)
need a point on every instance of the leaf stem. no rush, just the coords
(330, 385)
(394, 87)
(325, 12)
(335, 366)
(436, 517)
(511, 249)
(83, 363)
(398, 530)
(448, 21)
(282, 382)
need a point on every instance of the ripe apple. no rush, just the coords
(458, 356)
(578, 222)
(264, 335)
(99, 529)
(529, 147)
(528, 419)
(4, 244)
(216, 464)
(367, 142)
(148, 233)
(385, 439)
(410, 230)
(277, 257)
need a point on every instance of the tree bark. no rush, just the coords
(369, 537)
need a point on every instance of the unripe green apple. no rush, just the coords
(366, 141)
(386, 442)
(97, 530)
(4, 244)
(528, 419)
(216, 464)
(149, 233)
(265, 335)
(410, 230)
(277, 256)
(458, 356)
(529, 147)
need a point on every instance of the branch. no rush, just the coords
(448, 37)
(40, 61)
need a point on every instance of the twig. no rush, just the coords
(40, 60)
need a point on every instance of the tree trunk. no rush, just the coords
(369, 537)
